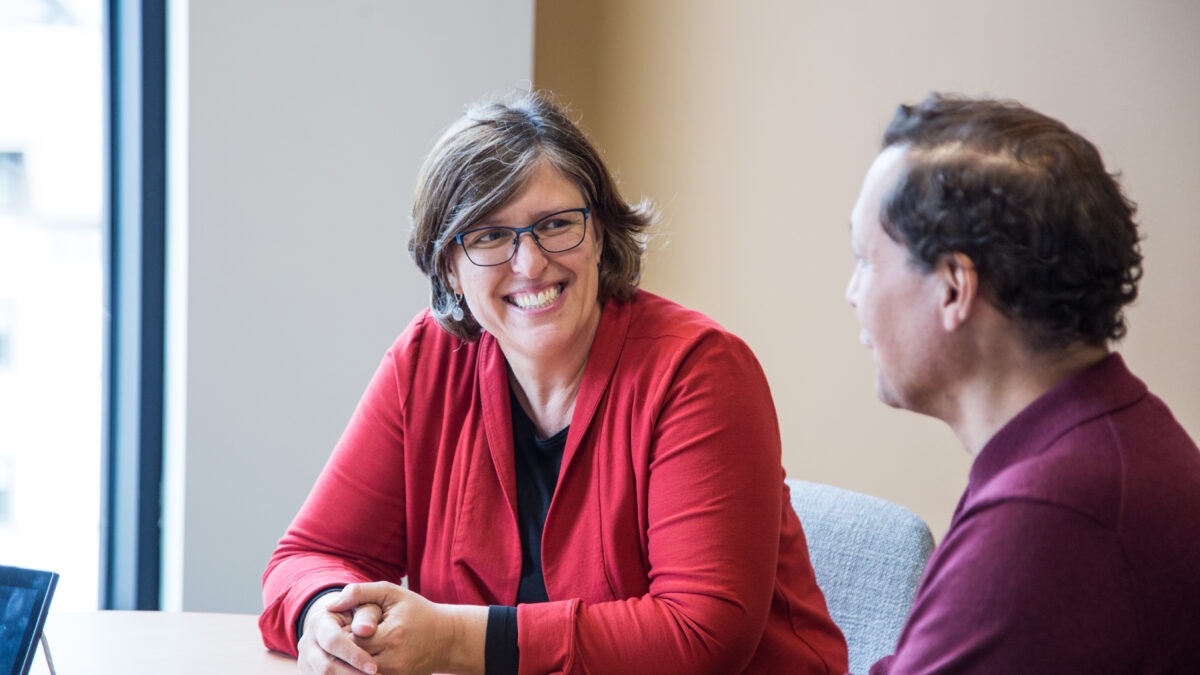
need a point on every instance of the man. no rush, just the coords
(994, 256)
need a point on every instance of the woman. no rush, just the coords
(573, 474)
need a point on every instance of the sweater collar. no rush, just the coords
(1098, 390)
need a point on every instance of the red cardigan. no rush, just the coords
(670, 544)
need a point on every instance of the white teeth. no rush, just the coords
(536, 300)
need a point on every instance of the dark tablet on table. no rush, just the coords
(24, 600)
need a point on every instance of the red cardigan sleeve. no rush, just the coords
(352, 526)
(713, 514)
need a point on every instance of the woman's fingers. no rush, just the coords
(379, 593)
(321, 663)
(366, 620)
(332, 637)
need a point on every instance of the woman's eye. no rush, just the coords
(560, 224)
(490, 237)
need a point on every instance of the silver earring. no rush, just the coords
(456, 310)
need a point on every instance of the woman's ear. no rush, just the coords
(960, 281)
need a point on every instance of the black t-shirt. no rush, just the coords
(537, 463)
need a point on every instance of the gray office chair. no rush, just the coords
(868, 555)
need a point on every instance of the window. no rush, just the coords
(8, 321)
(13, 194)
(135, 304)
(52, 291)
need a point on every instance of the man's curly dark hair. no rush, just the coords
(1030, 202)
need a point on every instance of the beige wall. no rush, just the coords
(752, 123)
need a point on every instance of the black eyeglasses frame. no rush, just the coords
(518, 231)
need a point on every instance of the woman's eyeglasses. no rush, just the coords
(555, 233)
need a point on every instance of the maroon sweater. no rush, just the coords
(1076, 546)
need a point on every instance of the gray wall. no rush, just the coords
(305, 123)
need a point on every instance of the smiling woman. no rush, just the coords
(573, 475)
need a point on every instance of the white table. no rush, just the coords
(133, 643)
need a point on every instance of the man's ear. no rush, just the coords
(960, 283)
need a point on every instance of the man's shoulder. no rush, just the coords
(1106, 467)
(1074, 446)
(1081, 470)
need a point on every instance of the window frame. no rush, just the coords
(135, 289)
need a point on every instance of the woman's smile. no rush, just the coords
(536, 299)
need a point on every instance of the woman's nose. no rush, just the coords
(529, 259)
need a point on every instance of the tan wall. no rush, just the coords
(752, 123)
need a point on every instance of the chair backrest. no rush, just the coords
(868, 555)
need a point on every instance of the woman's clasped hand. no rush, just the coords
(382, 627)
